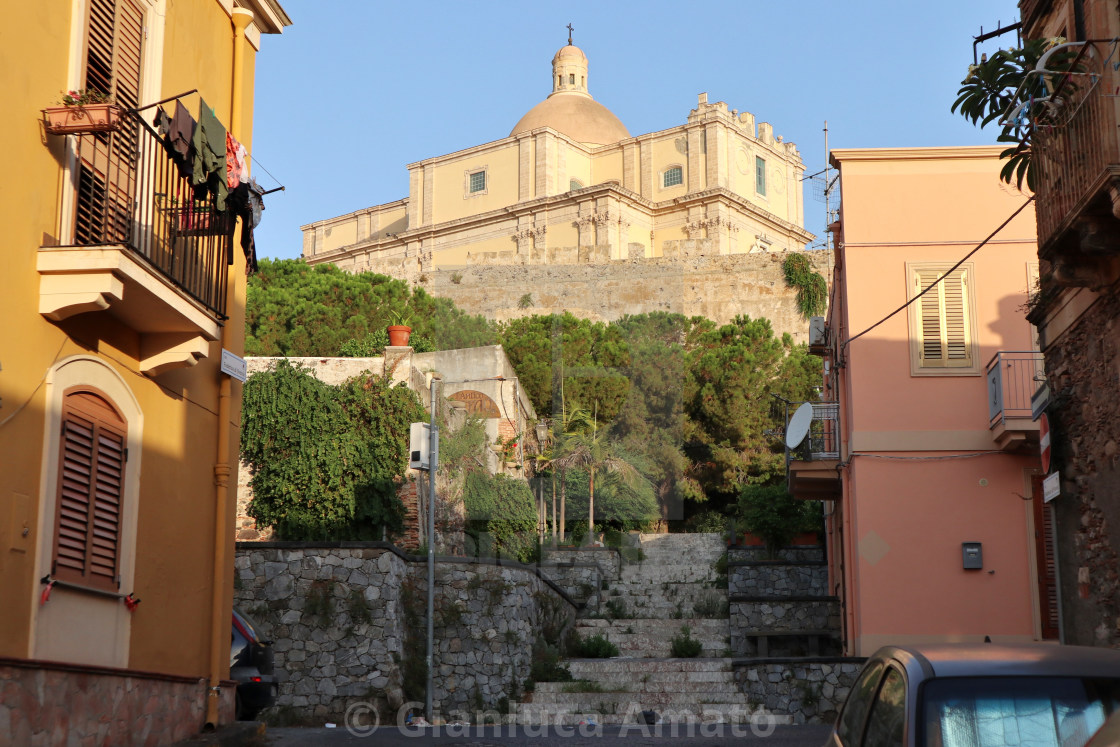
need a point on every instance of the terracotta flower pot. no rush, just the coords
(804, 539)
(398, 335)
(76, 120)
(752, 540)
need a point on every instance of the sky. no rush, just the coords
(355, 90)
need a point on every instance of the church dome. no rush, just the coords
(569, 109)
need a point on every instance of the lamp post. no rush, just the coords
(542, 439)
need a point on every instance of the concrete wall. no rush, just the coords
(346, 619)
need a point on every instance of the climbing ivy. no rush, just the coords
(812, 290)
(326, 460)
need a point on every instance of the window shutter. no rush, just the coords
(91, 485)
(943, 319)
(106, 180)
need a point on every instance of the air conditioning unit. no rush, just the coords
(419, 445)
(818, 337)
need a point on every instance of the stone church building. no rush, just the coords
(572, 212)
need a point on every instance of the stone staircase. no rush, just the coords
(640, 611)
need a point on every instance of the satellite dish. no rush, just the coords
(798, 426)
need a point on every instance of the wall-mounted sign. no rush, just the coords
(1050, 487)
(235, 366)
(1044, 441)
(477, 403)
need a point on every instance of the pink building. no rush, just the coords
(929, 460)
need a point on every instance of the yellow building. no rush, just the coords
(570, 185)
(122, 287)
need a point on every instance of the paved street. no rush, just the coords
(782, 736)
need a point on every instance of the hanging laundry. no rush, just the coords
(209, 143)
(256, 201)
(236, 168)
(241, 203)
(162, 123)
(180, 139)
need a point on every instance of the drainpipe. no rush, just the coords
(219, 623)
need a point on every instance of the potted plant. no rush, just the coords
(79, 112)
(399, 329)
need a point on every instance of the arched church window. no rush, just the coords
(673, 177)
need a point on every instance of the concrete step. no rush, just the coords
(630, 712)
(592, 668)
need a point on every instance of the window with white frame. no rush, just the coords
(477, 182)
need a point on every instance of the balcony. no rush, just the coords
(814, 465)
(1012, 378)
(144, 249)
(1077, 161)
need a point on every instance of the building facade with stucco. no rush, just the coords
(570, 185)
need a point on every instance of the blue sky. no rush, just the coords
(356, 89)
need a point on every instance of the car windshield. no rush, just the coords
(1016, 711)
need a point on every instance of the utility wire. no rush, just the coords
(948, 272)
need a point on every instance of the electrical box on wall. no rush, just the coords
(419, 445)
(972, 556)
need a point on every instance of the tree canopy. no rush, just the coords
(294, 309)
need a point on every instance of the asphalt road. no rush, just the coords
(712, 735)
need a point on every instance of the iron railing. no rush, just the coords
(130, 193)
(1013, 377)
(823, 440)
(1076, 143)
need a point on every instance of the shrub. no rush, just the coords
(775, 516)
(712, 522)
(545, 665)
(616, 610)
(684, 646)
(595, 647)
(711, 605)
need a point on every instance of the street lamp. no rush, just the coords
(542, 516)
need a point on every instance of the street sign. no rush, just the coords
(1044, 441)
(1050, 487)
(1039, 400)
(234, 365)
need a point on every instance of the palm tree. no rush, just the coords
(572, 423)
(590, 450)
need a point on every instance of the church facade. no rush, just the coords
(571, 187)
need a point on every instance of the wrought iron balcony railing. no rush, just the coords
(1013, 376)
(130, 194)
(823, 440)
(1075, 145)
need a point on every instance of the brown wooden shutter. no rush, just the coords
(106, 183)
(1046, 557)
(91, 486)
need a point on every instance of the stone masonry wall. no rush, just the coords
(811, 691)
(345, 620)
(718, 287)
(1083, 367)
(777, 578)
(791, 615)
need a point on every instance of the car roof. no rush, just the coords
(1003, 659)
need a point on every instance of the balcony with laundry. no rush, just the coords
(148, 215)
(1013, 378)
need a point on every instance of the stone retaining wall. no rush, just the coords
(810, 691)
(348, 619)
(780, 615)
(777, 579)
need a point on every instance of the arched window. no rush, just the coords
(92, 458)
(572, 78)
(673, 176)
(575, 184)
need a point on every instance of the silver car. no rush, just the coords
(980, 695)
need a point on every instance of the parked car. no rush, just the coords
(980, 695)
(250, 664)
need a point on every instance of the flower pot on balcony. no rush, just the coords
(78, 120)
(398, 335)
